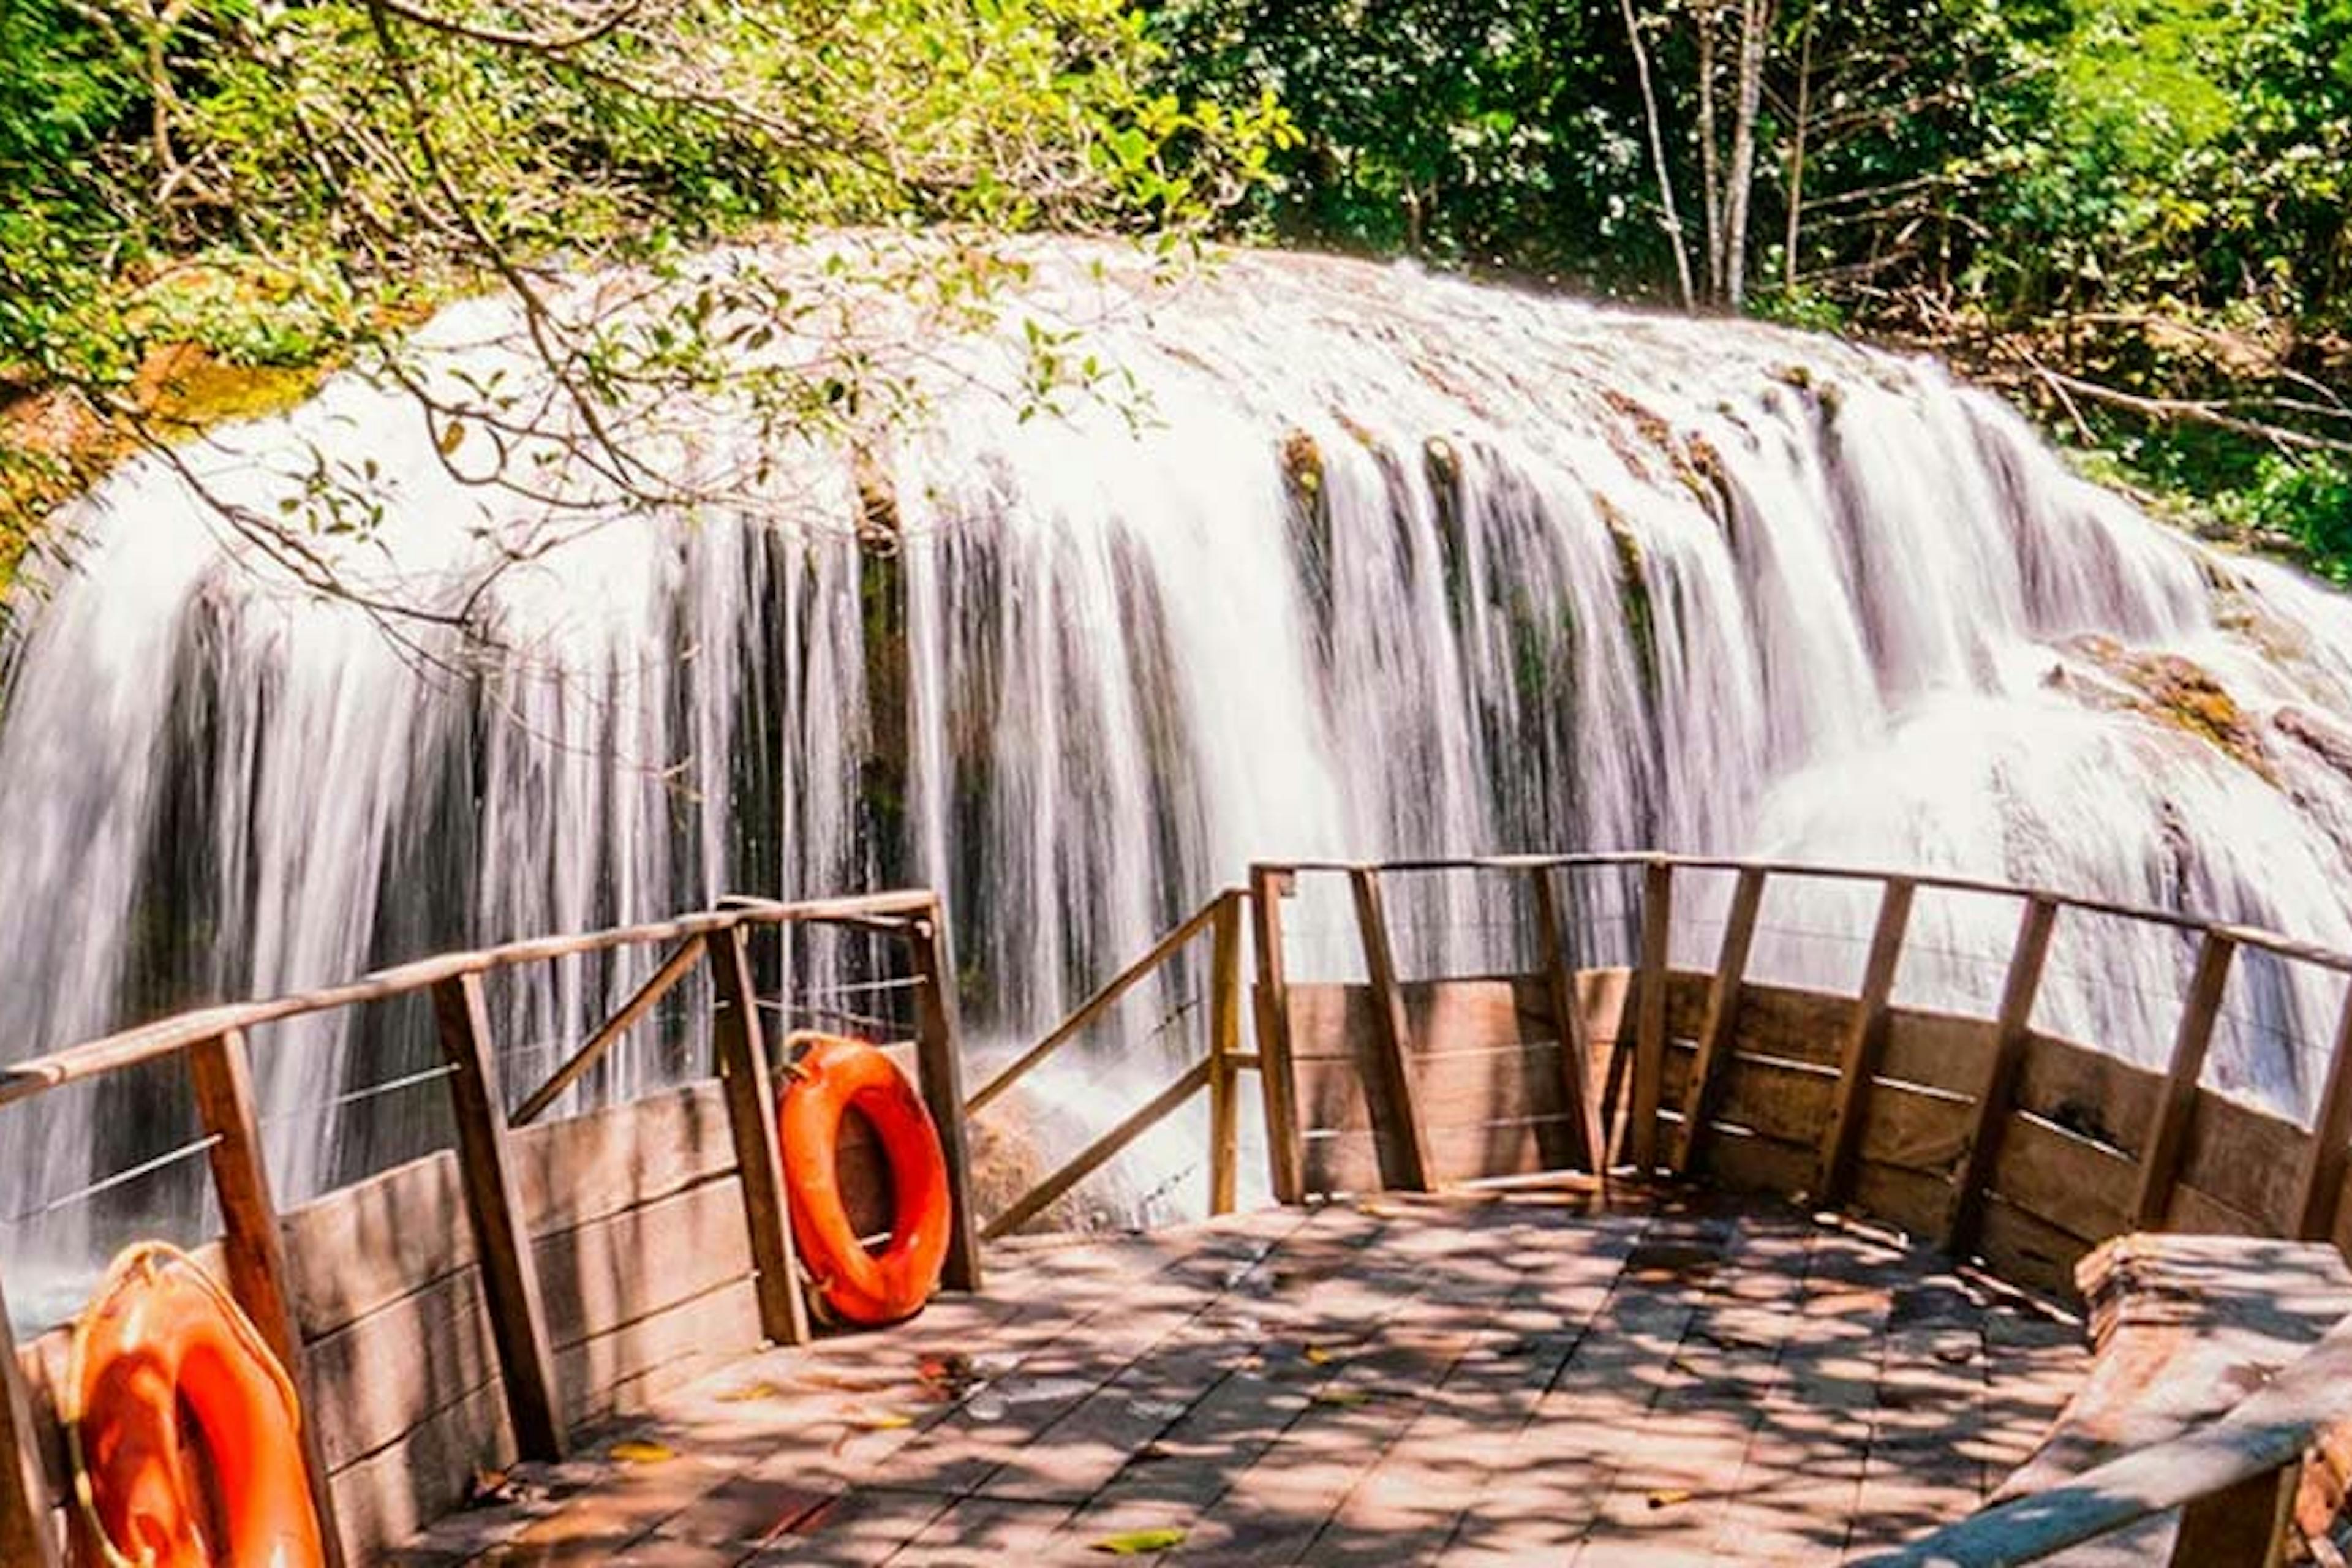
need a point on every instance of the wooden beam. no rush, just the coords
(674, 968)
(2011, 1028)
(1650, 1000)
(2167, 1140)
(1096, 1006)
(939, 1054)
(25, 1535)
(2320, 1189)
(221, 1072)
(1866, 1041)
(740, 1046)
(1285, 1157)
(1389, 1087)
(1722, 1017)
(1575, 1041)
(1224, 1047)
(494, 1205)
(2243, 1526)
(1092, 1158)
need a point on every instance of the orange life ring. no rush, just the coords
(186, 1432)
(859, 1286)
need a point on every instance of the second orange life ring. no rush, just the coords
(184, 1432)
(859, 1286)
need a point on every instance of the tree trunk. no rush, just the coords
(1672, 216)
(1797, 156)
(1709, 172)
(1755, 24)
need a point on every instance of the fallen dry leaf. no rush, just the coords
(1139, 1542)
(641, 1452)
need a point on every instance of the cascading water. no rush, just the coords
(1390, 565)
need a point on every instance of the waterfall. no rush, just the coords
(1374, 564)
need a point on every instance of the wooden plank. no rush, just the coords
(658, 985)
(2247, 1158)
(1224, 1044)
(494, 1204)
(1739, 1161)
(2079, 1186)
(1916, 1201)
(1915, 1130)
(1393, 1106)
(1722, 1019)
(1649, 1021)
(2028, 1251)
(741, 1049)
(1442, 1018)
(2320, 1184)
(622, 1372)
(2243, 1526)
(1269, 885)
(1350, 1161)
(381, 1376)
(1789, 1100)
(1092, 1158)
(2196, 1213)
(939, 1048)
(2168, 1137)
(1792, 1024)
(1937, 1050)
(587, 1167)
(1994, 1096)
(387, 1498)
(1865, 1042)
(363, 1247)
(1458, 1089)
(2088, 1092)
(1092, 1009)
(1568, 1015)
(221, 1073)
(25, 1536)
(615, 1271)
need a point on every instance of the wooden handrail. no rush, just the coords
(1096, 1006)
(658, 985)
(1097, 1154)
(2264, 1436)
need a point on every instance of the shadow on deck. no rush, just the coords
(1521, 1377)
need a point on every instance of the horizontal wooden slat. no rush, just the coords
(617, 1372)
(2088, 1092)
(1778, 1099)
(1442, 1016)
(2073, 1184)
(1458, 1089)
(1915, 1201)
(2245, 1158)
(1915, 1130)
(389, 1496)
(597, 1277)
(2029, 1251)
(361, 1247)
(589, 1166)
(1792, 1025)
(380, 1376)
(1350, 1161)
(2197, 1213)
(1940, 1050)
(1687, 1002)
(1744, 1161)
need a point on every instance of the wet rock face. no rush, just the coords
(2177, 691)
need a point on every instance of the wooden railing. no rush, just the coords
(1982, 1133)
(212, 1043)
(1218, 1070)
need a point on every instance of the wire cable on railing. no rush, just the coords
(789, 1010)
(120, 1178)
(858, 988)
(352, 1097)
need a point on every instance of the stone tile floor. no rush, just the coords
(1526, 1377)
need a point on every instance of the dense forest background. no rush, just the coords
(2129, 214)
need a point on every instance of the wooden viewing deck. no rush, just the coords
(1401, 1364)
(1524, 1377)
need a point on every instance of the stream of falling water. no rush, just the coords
(1392, 565)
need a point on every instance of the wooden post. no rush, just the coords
(1575, 1041)
(222, 1075)
(1286, 1161)
(2321, 1187)
(939, 1052)
(502, 1232)
(1866, 1041)
(1722, 1017)
(2015, 1021)
(2244, 1526)
(1394, 1107)
(1225, 1044)
(1650, 1019)
(740, 1047)
(2167, 1141)
(25, 1536)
